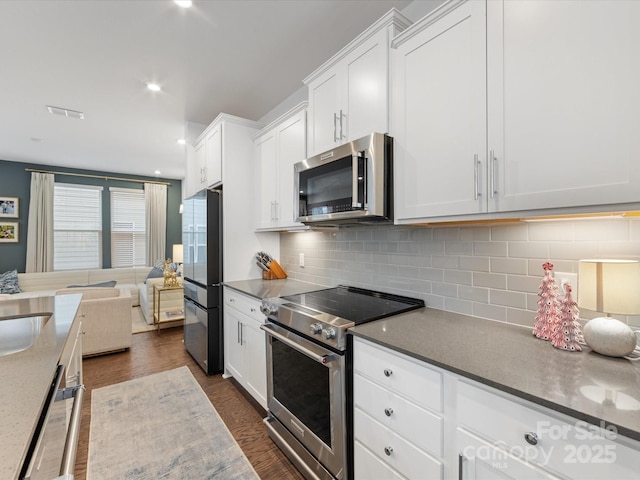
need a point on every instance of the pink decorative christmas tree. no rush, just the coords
(567, 334)
(548, 310)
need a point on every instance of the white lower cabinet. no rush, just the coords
(245, 357)
(394, 422)
(414, 420)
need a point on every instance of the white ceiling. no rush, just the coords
(240, 57)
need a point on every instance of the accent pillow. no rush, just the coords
(9, 282)
(155, 272)
(110, 283)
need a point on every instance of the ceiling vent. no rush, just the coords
(65, 112)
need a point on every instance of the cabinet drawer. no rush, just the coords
(367, 465)
(412, 422)
(393, 450)
(243, 303)
(399, 373)
(566, 445)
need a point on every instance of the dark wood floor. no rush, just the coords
(152, 353)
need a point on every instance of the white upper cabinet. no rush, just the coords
(439, 115)
(516, 108)
(204, 163)
(349, 94)
(279, 146)
(563, 92)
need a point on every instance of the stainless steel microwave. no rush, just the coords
(352, 183)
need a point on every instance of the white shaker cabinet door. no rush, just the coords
(324, 111)
(292, 148)
(439, 116)
(267, 157)
(564, 103)
(213, 156)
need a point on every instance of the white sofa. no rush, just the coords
(48, 283)
(106, 318)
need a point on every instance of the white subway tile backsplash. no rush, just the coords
(475, 294)
(602, 230)
(432, 274)
(490, 280)
(444, 289)
(491, 272)
(523, 283)
(458, 276)
(551, 231)
(573, 250)
(490, 312)
(509, 265)
(509, 232)
(444, 261)
(508, 299)
(528, 250)
(458, 306)
(490, 249)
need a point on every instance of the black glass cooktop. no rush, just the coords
(355, 304)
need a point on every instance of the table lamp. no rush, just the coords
(178, 257)
(609, 286)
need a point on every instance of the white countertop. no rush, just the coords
(27, 375)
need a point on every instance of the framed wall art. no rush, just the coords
(8, 207)
(8, 232)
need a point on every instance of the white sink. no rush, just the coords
(19, 333)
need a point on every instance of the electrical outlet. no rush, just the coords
(562, 278)
(301, 260)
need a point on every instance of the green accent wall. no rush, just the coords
(15, 181)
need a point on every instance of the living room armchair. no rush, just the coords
(106, 318)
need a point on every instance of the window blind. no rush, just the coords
(128, 228)
(77, 226)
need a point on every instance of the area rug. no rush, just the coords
(161, 426)
(138, 323)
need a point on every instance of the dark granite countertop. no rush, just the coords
(260, 289)
(27, 375)
(511, 359)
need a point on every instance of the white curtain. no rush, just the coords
(155, 201)
(40, 224)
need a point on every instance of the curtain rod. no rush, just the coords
(105, 177)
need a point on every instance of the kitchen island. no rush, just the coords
(27, 374)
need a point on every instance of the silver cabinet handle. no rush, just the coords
(476, 177)
(238, 333)
(388, 451)
(342, 115)
(531, 438)
(388, 372)
(492, 173)
(388, 411)
(73, 435)
(461, 460)
(335, 127)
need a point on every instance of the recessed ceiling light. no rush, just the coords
(183, 3)
(154, 87)
(181, 141)
(157, 172)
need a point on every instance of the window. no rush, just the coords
(128, 228)
(77, 226)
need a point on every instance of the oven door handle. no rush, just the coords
(300, 344)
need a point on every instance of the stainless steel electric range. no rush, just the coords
(308, 370)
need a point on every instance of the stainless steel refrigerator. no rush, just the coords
(202, 271)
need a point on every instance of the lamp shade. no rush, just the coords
(178, 253)
(609, 286)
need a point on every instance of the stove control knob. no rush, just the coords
(316, 328)
(329, 333)
(268, 309)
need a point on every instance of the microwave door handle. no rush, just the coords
(359, 177)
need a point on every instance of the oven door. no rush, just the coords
(306, 394)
